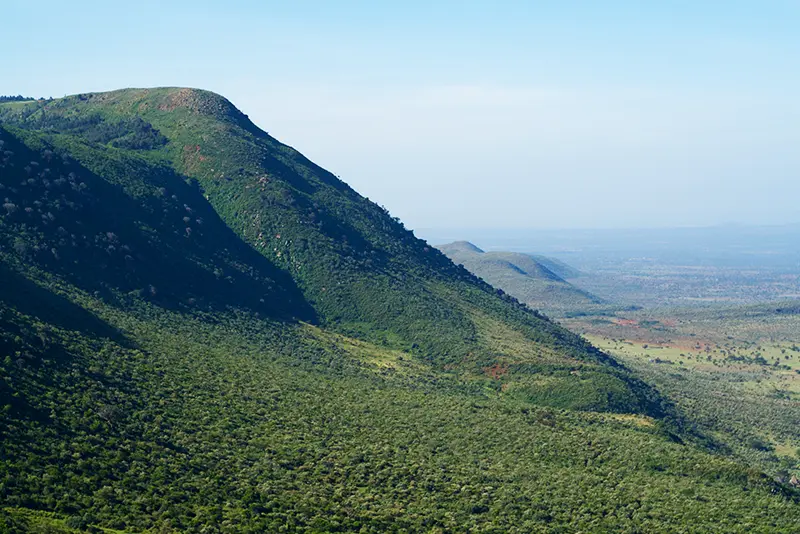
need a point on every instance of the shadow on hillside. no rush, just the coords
(170, 248)
(33, 300)
(23, 340)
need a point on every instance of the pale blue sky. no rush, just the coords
(473, 114)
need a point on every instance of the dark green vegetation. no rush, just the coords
(201, 330)
(535, 280)
(18, 98)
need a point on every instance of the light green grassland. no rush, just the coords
(736, 374)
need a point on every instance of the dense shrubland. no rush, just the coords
(261, 427)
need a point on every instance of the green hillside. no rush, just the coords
(530, 279)
(203, 331)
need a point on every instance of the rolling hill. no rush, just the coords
(201, 330)
(557, 267)
(531, 279)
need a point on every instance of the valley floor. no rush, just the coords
(734, 371)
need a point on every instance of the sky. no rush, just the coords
(502, 114)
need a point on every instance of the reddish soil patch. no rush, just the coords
(496, 371)
(182, 98)
(192, 157)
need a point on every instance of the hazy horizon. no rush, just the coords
(575, 115)
(723, 225)
(741, 246)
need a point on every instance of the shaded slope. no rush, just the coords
(524, 277)
(138, 227)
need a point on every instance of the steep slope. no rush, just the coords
(137, 227)
(200, 330)
(335, 257)
(524, 277)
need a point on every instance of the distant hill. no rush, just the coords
(203, 331)
(534, 280)
(558, 267)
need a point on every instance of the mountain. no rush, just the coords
(201, 330)
(531, 279)
(175, 193)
